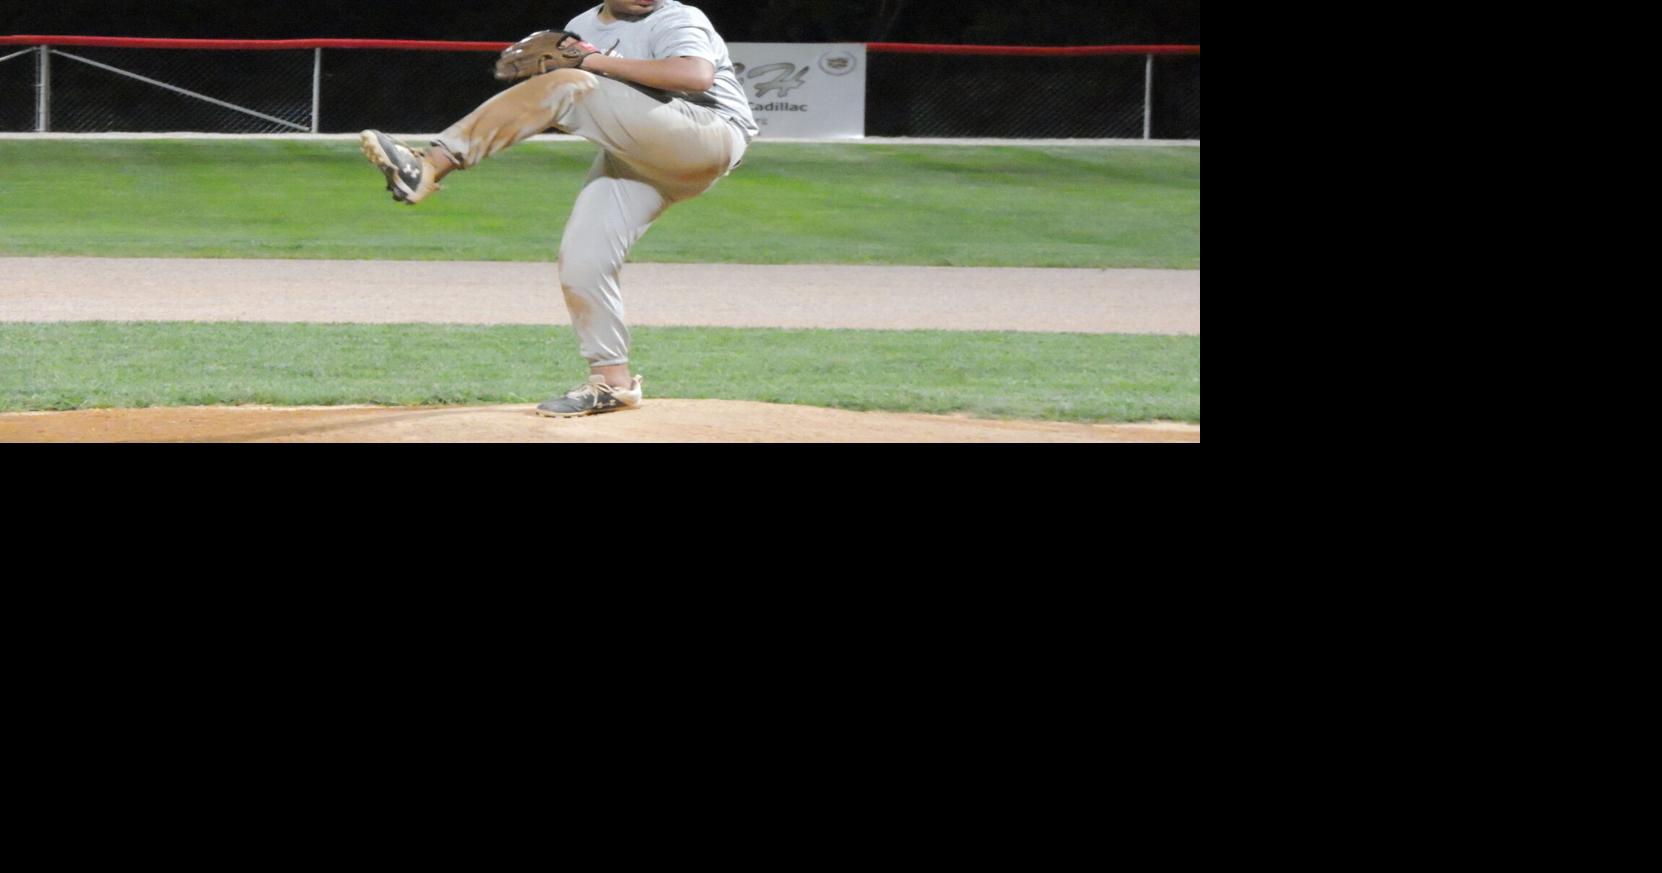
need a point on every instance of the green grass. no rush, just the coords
(789, 203)
(1067, 377)
(888, 204)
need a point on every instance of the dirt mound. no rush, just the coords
(681, 421)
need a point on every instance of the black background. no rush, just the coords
(1029, 22)
(907, 95)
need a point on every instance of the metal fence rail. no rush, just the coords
(98, 84)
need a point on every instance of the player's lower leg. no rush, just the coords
(514, 115)
(616, 375)
(441, 161)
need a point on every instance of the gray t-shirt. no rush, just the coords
(674, 30)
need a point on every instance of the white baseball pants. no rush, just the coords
(654, 151)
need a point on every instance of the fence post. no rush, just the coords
(317, 83)
(43, 90)
(1148, 97)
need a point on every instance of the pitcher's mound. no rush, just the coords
(680, 421)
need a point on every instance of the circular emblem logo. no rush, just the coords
(837, 63)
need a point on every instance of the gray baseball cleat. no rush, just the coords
(409, 177)
(592, 398)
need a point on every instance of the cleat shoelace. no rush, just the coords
(587, 389)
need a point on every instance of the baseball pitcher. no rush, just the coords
(648, 81)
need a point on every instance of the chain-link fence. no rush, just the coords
(408, 91)
(129, 89)
(18, 78)
(334, 90)
(92, 89)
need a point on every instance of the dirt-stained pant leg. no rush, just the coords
(656, 151)
(613, 210)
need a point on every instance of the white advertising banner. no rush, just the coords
(800, 89)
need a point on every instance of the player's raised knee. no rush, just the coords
(552, 86)
(580, 80)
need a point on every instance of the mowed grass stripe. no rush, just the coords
(789, 203)
(1064, 377)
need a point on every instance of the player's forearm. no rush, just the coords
(671, 74)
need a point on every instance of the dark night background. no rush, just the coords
(1031, 22)
(907, 95)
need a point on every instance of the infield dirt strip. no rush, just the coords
(700, 295)
(792, 296)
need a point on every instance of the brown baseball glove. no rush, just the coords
(542, 52)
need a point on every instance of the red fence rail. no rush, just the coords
(902, 48)
(1028, 51)
(255, 44)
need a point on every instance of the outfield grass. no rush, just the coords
(789, 204)
(1066, 377)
